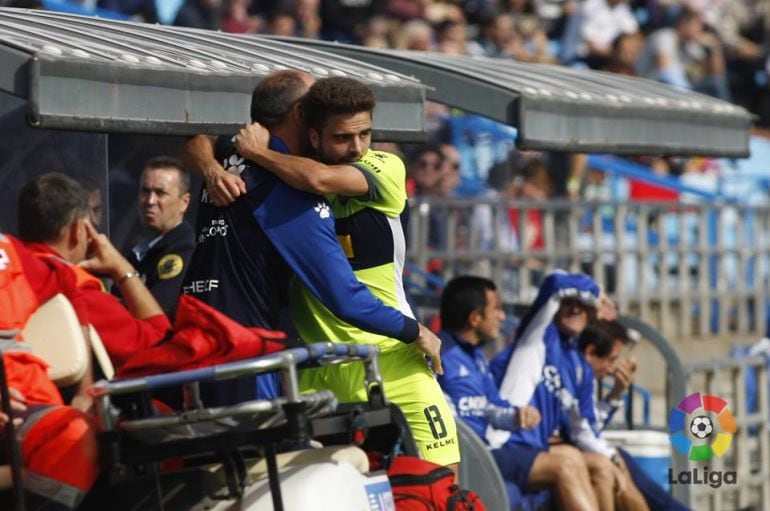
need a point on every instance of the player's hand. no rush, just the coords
(104, 257)
(527, 417)
(430, 345)
(624, 376)
(606, 308)
(17, 404)
(223, 187)
(251, 140)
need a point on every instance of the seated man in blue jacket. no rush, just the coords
(471, 313)
(535, 370)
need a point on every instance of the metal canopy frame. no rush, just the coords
(565, 109)
(82, 73)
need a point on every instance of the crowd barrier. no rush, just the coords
(689, 269)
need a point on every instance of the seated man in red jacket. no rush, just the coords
(53, 223)
(58, 443)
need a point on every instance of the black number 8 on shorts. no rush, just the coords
(433, 415)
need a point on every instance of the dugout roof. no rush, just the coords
(90, 74)
(565, 109)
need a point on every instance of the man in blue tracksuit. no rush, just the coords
(536, 371)
(247, 252)
(471, 313)
(601, 345)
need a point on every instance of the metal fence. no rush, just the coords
(689, 269)
(743, 383)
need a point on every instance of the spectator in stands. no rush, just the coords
(237, 18)
(450, 170)
(143, 8)
(199, 14)
(495, 231)
(535, 371)
(471, 314)
(282, 23)
(308, 19)
(534, 45)
(744, 29)
(601, 22)
(498, 37)
(519, 37)
(452, 36)
(275, 232)
(163, 258)
(535, 187)
(553, 15)
(404, 10)
(346, 21)
(626, 49)
(424, 170)
(53, 223)
(687, 57)
(58, 443)
(417, 35)
(601, 345)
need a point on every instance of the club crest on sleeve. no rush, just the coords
(170, 266)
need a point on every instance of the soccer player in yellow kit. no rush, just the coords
(367, 193)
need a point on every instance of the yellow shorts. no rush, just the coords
(410, 385)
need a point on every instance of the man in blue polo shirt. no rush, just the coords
(247, 252)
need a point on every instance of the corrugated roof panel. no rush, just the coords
(93, 74)
(566, 109)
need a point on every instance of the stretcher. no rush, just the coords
(216, 448)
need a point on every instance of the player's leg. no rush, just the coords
(565, 472)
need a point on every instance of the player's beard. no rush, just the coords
(324, 157)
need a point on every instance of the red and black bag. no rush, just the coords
(420, 485)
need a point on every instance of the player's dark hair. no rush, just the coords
(462, 296)
(47, 204)
(337, 95)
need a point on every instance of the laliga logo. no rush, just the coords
(701, 427)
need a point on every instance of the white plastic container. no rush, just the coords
(330, 485)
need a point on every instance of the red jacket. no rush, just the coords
(123, 335)
(58, 442)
